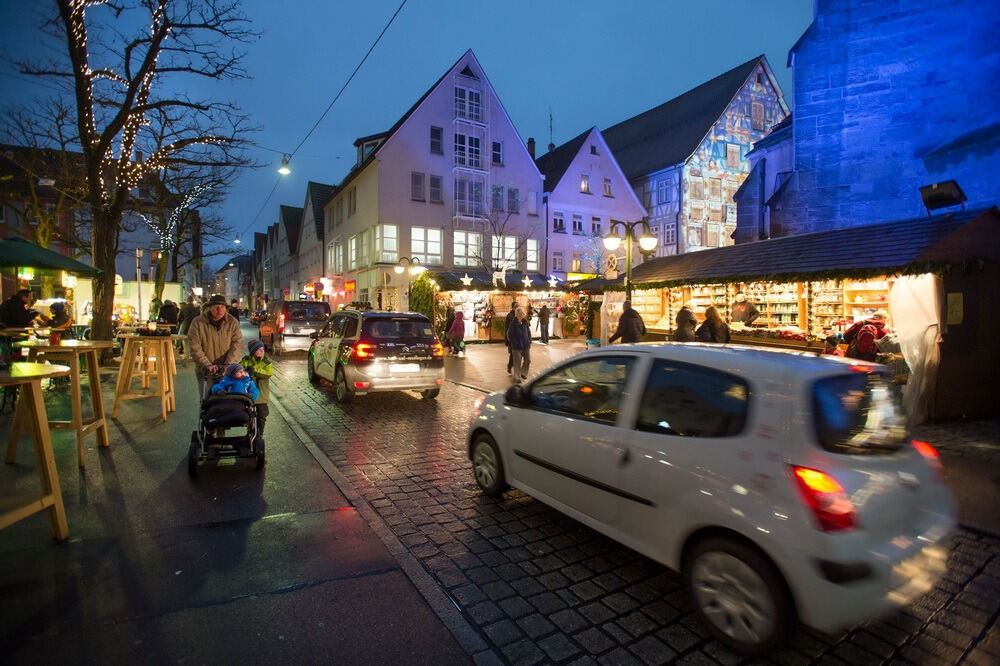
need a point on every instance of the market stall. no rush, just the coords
(795, 291)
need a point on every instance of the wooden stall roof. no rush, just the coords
(942, 243)
(482, 281)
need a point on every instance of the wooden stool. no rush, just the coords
(145, 357)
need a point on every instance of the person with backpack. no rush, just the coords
(863, 334)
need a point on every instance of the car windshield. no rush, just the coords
(311, 311)
(401, 327)
(858, 413)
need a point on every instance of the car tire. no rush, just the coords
(738, 595)
(311, 370)
(487, 467)
(430, 394)
(343, 394)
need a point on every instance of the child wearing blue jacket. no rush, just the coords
(236, 380)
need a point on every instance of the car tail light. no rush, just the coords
(438, 349)
(362, 385)
(930, 454)
(826, 497)
(364, 350)
(281, 322)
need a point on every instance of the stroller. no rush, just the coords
(211, 441)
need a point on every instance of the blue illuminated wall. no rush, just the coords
(890, 96)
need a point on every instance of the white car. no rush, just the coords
(781, 484)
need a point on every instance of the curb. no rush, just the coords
(439, 601)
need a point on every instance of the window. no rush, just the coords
(368, 148)
(697, 212)
(364, 252)
(730, 214)
(670, 233)
(468, 151)
(513, 200)
(532, 203)
(352, 201)
(757, 116)
(386, 242)
(338, 212)
(416, 186)
(712, 235)
(557, 261)
(436, 137)
(694, 236)
(697, 188)
(558, 223)
(468, 103)
(468, 248)
(497, 197)
(593, 150)
(595, 226)
(858, 414)
(505, 251)
(469, 197)
(590, 389)
(664, 191)
(435, 184)
(577, 224)
(425, 245)
(352, 251)
(691, 401)
(715, 189)
(577, 263)
(497, 152)
(338, 257)
(714, 212)
(585, 183)
(733, 155)
(330, 256)
(607, 187)
(531, 254)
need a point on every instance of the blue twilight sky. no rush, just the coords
(593, 62)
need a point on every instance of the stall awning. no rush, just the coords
(19, 252)
(905, 247)
(483, 281)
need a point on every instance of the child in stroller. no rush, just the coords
(228, 404)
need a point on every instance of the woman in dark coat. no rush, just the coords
(686, 323)
(713, 329)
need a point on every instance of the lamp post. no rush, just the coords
(413, 265)
(647, 243)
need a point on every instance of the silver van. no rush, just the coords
(288, 325)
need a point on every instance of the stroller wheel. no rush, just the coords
(194, 450)
(259, 452)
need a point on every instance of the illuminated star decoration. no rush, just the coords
(553, 280)
(526, 282)
(467, 281)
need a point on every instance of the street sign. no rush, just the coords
(611, 263)
(610, 275)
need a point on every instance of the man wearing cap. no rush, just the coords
(215, 341)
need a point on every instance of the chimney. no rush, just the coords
(552, 147)
(531, 146)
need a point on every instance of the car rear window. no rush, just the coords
(858, 413)
(310, 311)
(386, 328)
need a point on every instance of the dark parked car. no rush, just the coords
(364, 351)
(289, 325)
(257, 316)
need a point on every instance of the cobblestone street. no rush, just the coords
(537, 586)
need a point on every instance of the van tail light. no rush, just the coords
(930, 454)
(281, 322)
(364, 350)
(826, 497)
(438, 349)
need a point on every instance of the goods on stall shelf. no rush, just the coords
(862, 299)
(649, 305)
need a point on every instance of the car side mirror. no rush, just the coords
(515, 395)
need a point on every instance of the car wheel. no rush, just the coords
(486, 465)
(739, 595)
(430, 394)
(311, 370)
(343, 394)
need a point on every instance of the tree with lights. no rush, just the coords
(121, 75)
(497, 258)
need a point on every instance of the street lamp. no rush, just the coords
(647, 243)
(415, 268)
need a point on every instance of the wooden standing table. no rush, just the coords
(145, 357)
(70, 353)
(29, 376)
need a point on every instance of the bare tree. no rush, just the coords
(593, 253)
(494, 255)
(127, 60)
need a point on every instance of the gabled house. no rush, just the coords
(290, 219)
(687, 157)
(450, 185)
(311, 232)
(585, 192)
(270, 263)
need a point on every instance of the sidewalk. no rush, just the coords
(239, 566)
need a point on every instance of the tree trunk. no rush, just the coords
(103, 244)
(161, 274)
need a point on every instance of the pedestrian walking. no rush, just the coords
(506, 327)
(215, 341)
(456, 334)
(260, 369)
(543, 323)
(631, 328)
(519, 341)
(713, 329)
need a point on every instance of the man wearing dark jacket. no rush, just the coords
(630, 326)
(506, 327)
(519, 342)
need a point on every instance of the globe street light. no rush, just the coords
(647, 243)
(414, 266)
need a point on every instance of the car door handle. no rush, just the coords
(623, 456)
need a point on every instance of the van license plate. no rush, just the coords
(306, 331)
(404, 367)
